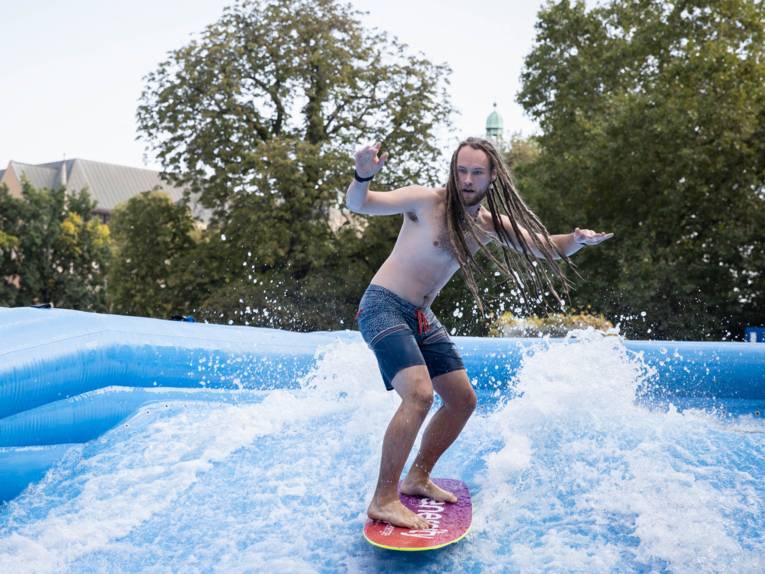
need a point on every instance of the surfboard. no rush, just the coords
(450, 522)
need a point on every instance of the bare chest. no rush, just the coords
(432, 234)
(429, 233)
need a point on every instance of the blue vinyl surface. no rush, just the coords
(68, 378)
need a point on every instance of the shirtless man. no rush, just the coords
(413, 349)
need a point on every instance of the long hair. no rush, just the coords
(517, 262)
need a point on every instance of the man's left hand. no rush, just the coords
(590, 237)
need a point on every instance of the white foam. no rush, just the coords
(126, 485)
(570, 476)
(591, 477)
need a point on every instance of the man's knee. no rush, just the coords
(467, 400)
(415, 387)
(464, 400)
(420, 393)
(422, 397)
(456, 391)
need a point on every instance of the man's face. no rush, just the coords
(473, 175)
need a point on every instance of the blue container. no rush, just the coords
(754, 334)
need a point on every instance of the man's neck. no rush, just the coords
(473, 210)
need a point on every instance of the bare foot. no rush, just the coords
(426, 488)
(397, 514)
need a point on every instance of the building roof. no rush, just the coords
(107, 183)
(494, 122)
(38, 176)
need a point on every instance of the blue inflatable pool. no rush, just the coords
(131, 444)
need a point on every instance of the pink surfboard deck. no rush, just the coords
(450, 522)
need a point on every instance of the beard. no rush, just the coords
(473, 197)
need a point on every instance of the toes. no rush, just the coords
(422, 525)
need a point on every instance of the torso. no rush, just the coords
(422, 261)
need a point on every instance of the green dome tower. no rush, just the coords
(495, 127)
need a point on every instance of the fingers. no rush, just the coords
(375, 149)
(367, 160)
(369, 151)
(590, 237)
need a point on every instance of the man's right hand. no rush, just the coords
(367, 161)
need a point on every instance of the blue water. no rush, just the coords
(572, 471)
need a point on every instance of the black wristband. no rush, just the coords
(360, 179)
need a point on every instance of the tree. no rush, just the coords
(653, 126)
(52, 249)
(10, 215)
(259, 117)
(152, 241)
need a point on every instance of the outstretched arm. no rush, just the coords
(360, 199)
(565, 244)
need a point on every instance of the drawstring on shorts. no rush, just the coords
(422, 322)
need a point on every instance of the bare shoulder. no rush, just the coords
(437, 196)
(422, 196)
(425, 192)
(432, 202)
(487, 224)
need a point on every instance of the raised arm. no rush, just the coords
(360, 199)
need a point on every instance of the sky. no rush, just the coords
(73, 71)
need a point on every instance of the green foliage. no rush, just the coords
(653, 120)
(10, 215)
(259, 117)
(152, 241)
(52, 250)
(553, 325)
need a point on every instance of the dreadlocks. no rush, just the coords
(517, 262)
